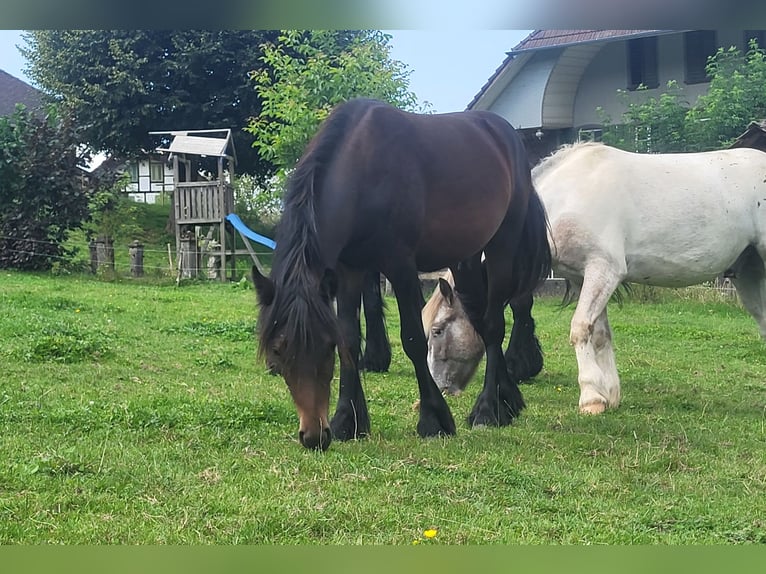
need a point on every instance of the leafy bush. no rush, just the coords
(42, 196)
(669, 123)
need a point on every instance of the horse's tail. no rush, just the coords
(532, 261)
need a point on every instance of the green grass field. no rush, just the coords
(134, 412)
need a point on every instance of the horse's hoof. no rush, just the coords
(476, 421)
(343, 430)
(593, 408)
(428, 428)
(416, 405)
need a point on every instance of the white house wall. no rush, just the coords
(607, 73)
(146, 191)
(558, 108)
(521, 102)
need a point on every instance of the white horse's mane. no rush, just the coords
(560, 154)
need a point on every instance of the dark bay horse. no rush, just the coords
(396, 192)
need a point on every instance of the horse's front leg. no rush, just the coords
(591, 337)
(500, 400)
(435, 416)
(351, 419)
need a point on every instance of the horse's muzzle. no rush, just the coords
(316, 440)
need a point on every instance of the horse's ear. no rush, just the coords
(329, 283)
(446, 290)
(264, 287)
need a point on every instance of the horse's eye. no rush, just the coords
(437, 331)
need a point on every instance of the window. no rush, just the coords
(642, 63)
(157, 172)
(699, 45)
(757, 35)
(133, 172)
(590, 135)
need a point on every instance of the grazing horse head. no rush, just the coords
(297, 324)
(454, 347)
(300, 345)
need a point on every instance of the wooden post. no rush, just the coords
(136, 253)
(104, 253)
(214, 261)
(93, 256)
(188, 260)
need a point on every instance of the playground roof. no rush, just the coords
(201, 142)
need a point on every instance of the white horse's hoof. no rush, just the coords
(593, 408)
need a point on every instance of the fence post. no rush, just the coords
(93, 256)
(136, 253)
(104, 250)
(189, 257)
(213, 259)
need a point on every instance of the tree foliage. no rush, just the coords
(122, 84)
(736, 96)
(42, 196)
(307, 73)
(655, 125)
(669, 123)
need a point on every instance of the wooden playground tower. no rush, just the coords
(200, 203)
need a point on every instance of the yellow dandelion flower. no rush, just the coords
(76, 310)
(430, 533)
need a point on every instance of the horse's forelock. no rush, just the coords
(300, 315)
(434, 303)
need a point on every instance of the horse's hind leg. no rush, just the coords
(524, 356)
(750, 281)
(377, 348)
(591, 337)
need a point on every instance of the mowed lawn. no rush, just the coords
(137, 413)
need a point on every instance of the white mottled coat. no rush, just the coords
(657, 219)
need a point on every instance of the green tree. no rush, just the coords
(122, 84)
(112, 213)
(42, 195)
(736, 96)
(307, 73)
(654, 125)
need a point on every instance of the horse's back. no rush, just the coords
(666, 219)
(440, 184)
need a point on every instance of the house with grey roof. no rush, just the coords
(15, 91)
(552, 84)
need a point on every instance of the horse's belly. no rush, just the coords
(677, 270)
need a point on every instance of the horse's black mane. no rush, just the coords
(297, 270)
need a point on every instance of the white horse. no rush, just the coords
(668, 220)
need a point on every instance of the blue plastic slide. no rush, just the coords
(245, 231)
